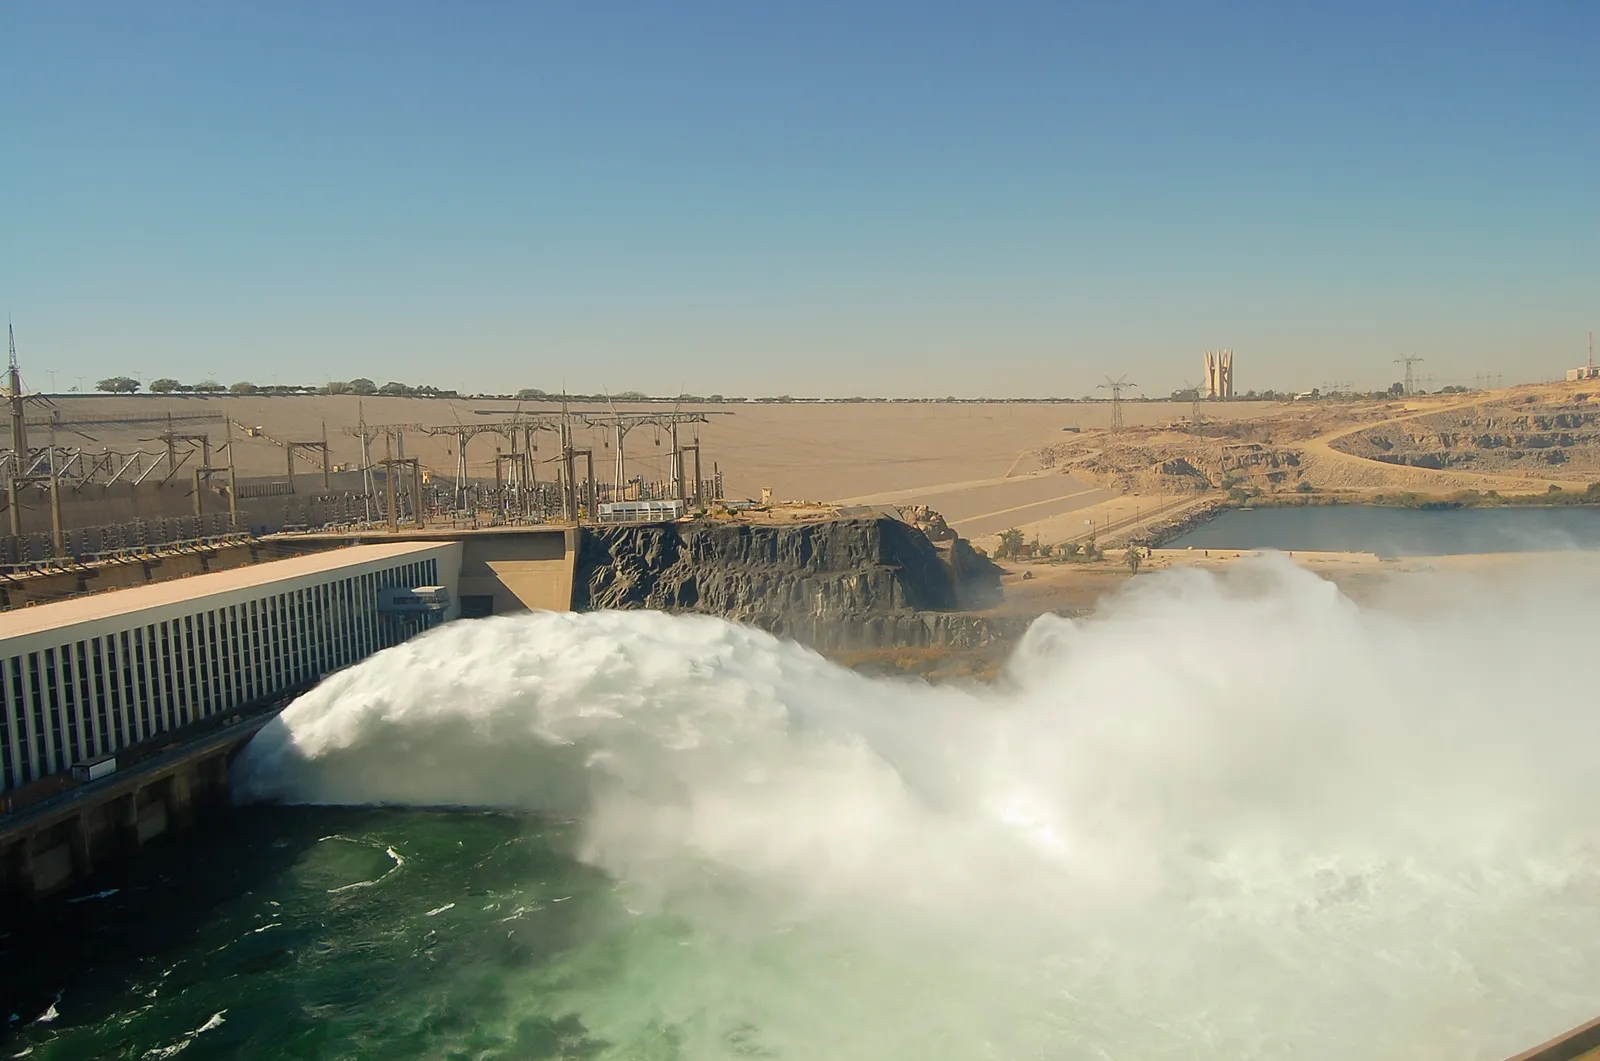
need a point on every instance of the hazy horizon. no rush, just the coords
(896, 200)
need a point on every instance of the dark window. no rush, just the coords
(253, 651)
(214, 689)
(143, 702)
(277, 640)
(125, 664)
(55, 713)
(86, 701)
(323, 627)
(19, 726)
(291, 628)
(169, 710)
(67, 700)
(102, 697)
(36, 682)
(112, 682)
(235, 661)
(191, 665)
(20, 719)
(253, 654)
(8, 778)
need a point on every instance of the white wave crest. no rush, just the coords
(1233, 816)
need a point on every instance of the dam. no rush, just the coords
(858, 781)
(120, 709)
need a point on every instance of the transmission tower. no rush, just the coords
(1409, 362)
(1194, 402)
(1116, 387)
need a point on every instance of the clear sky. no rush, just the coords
(812, 198)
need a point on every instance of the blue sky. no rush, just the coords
(747, 198)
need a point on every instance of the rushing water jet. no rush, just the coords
(1232, 816)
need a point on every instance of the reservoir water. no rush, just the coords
(1235, 817)
(1399, 531)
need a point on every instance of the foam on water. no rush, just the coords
(1232, 817)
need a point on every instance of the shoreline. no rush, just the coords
(1156, 520)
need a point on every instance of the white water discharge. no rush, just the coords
(1230, 817)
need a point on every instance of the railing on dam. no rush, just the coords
(115, 540)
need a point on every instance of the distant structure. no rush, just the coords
(1219, 375)
(1116, 387)
(1586, 371)
(1411, 376)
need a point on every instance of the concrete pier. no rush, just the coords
(62, 841)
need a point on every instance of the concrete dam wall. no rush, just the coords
(836, 585)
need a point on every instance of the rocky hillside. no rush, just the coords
(835, 584)
(1552, 434)
(1523, 439)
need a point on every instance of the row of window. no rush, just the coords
(61, 705)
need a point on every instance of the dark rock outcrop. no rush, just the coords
(839, 584)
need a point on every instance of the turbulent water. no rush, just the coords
(1231, 817)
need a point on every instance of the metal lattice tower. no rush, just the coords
(1194, 401)
(1411, 379)
(1116, 387)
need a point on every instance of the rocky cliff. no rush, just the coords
(1504, 436)
(837, 584)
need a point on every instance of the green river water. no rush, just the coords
(267, 934)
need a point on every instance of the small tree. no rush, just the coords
(242, 387)
(363, 386)
(118, 385)
(209, 386)
(163, 385)
(1132, 559)
(530, 394)
(336, 387)
(394, 390)
(1070, 550)
(1010, 543)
